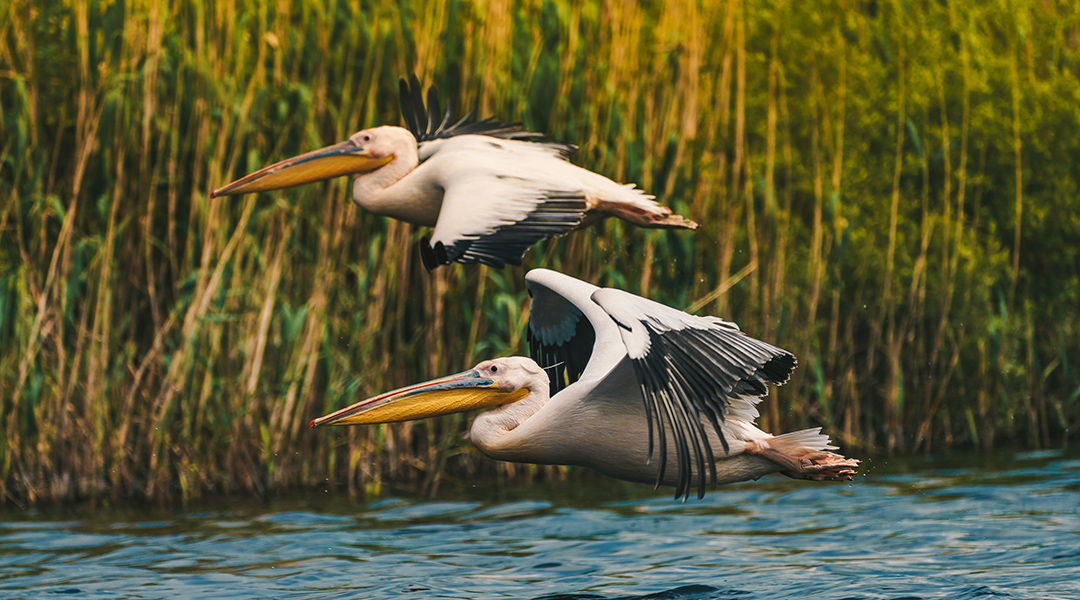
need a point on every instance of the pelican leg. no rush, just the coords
(800, 462)
(659, 217)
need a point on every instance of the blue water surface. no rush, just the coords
(1006, 527)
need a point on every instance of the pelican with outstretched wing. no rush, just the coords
(626, 387)
(489, 189)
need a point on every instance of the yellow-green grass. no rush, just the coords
(888, 189)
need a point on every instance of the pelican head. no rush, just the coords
(364, 152)
(492, 383)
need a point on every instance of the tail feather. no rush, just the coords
(812, 439)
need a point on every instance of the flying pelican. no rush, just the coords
(613, 379)
(488, 188)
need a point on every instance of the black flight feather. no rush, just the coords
(689, 376)
(421, 120)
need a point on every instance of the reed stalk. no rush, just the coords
(886, 189)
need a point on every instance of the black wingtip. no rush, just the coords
(427, 256)
(405, 102)
(433, 255)
(448, 116)
(418, 108)
(440, 254)
(423, 120)
(432, 110)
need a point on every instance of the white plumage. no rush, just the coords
(488, 188)
(630, 388)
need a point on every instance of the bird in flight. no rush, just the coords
(625, 386)
(489, 189)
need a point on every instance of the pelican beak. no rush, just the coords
(344, 158)
(452, 394)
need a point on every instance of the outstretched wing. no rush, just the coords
(425, 124)
(560, 337)
(691, 369)
(500, 197)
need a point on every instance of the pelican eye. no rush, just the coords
(494, 369)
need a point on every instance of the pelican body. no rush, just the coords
(488, 188)
(626, 387)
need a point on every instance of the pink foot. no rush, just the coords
(799, 462)
(661, 217)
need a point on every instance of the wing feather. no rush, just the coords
(425, 126)
(692, 370)
(500, 197)
(565, 360)
(561, 336)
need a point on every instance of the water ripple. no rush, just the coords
(903, 531)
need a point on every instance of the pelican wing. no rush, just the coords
(691, 369)
(570, 336)
(500, 197)
(560, 337)
(425, 124)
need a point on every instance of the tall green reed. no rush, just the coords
(886, 189)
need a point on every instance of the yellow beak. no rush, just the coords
(452, 394)
(344, 158)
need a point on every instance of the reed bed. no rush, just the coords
(888, 189)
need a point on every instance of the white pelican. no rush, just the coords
(622, 371)
(489, 190)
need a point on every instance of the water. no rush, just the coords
(1006, 527)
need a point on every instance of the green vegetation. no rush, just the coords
(887, 188)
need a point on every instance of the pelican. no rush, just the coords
(624, 386)
(489, 189)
